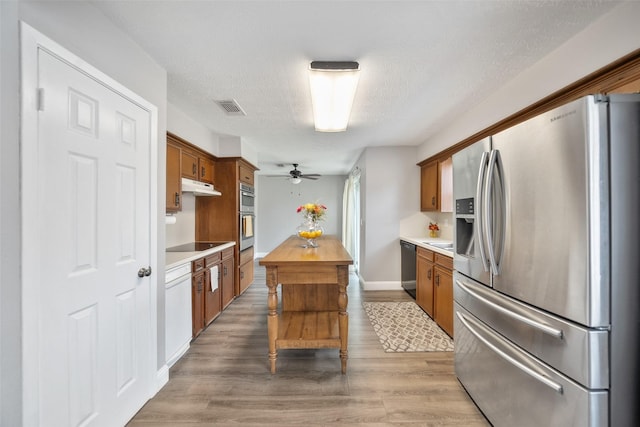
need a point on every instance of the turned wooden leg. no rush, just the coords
(343, 316)
(272, 317)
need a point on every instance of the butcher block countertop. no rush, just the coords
(290, 252)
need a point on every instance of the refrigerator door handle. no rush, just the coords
(495, 164)
(480, 236)
(510, 358)
(557, 333)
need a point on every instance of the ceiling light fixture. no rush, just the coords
(295, 180)
(333, 87)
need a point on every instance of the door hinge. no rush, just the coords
(40, 99)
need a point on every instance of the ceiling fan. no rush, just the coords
(295, 176)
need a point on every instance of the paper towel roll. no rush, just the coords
(170, 219)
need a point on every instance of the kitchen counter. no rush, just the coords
(173, 259)
(423, 242)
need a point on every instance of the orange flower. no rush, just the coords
(312, 211)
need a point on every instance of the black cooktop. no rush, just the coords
(194, 246)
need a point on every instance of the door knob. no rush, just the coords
(144, 272)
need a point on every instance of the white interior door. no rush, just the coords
(94, 335)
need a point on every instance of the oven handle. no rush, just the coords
(535, 375)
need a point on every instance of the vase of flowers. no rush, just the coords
(433, 229)
(310, 229)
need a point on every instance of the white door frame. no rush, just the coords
(30, 42)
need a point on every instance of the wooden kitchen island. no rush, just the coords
(313, 312)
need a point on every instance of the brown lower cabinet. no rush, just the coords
(212, 301)
(246, 269)
(226, 274)
(434, 287)
(211, 293)
(198, 280)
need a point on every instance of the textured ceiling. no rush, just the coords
(423, 63)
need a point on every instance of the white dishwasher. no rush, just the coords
(177, 312)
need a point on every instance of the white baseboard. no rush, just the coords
(162, 377)
(380, 285)
(178, 354)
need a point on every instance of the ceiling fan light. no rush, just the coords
(333, 88)
(295, 180)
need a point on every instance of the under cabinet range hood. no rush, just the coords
(199, 188)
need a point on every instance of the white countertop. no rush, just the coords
(423, 243)
(174, 259)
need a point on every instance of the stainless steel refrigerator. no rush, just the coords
(547, 267)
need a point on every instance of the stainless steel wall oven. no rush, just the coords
(247, 216)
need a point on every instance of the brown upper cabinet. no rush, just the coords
(174, 191)
(197, 166)
(436, 186)
(246, 173)
(185, 160)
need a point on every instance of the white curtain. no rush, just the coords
(351, 216)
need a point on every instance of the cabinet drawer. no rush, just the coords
(212, 259)
(197, 265)
(444, 261)
(246, 256)
(227, 253)
(425, 253)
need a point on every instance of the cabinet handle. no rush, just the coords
(438, 279)
(224, 267)
(429, 274)
(242, 274)
(433, 201)
(202, 172)
(177, 199)
(193, 168)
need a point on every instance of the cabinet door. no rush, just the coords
(429, 186)
(197, 301)
(246, 174)
(227, 282)
(212, 300)
(246, 269)
(205, 167)
(446, 185)
(246, 276)
(424, 283)
(174, 192)
(444, 299)
(189, 165)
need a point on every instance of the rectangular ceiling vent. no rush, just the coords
(231, 107)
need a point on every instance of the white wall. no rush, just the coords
(611, 37)
(10, 287)
(186, 128)
(277, 201)
(390, 193)
(83, 30)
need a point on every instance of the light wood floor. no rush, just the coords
(224, 378)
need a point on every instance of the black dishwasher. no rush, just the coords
(408, 267)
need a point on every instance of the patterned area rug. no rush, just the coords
(404, 327)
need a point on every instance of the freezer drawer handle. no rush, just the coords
(557, 333)
(544, 380)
